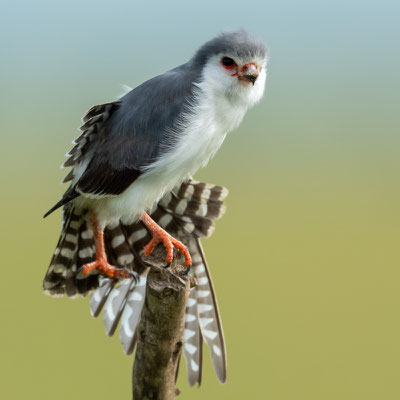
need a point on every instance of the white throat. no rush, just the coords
(203, 127)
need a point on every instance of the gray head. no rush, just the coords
(239, 44)
(234, 63)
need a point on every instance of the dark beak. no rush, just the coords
(249, 73)
(251, 78)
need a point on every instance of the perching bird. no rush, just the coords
(135, 150)
(135, 156)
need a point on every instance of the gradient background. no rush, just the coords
(306, 260)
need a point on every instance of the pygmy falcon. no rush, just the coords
(135, 150)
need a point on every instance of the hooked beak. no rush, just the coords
(249, 73)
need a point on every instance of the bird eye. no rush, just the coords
(228, 63)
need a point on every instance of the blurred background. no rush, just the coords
(306, 260)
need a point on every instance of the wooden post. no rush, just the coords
(161, 328)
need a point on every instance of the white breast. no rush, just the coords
(198, 136)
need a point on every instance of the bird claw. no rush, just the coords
(106, 269)
(169, 243)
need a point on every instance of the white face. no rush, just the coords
(238, 79)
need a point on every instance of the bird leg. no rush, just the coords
(101, 263)
(169, 242)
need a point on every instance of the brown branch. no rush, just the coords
(160, 331)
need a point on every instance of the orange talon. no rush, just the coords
(105, 269)
(150, 246)
(169, 242)
(101, 263)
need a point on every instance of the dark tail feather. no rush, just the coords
(64, 257)
(75, 248)
(69, 195)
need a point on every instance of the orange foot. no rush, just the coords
(105, 268)
(101, 263)
(169, 242)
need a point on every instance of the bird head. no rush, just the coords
(234, 64)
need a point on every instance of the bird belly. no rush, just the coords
(128, 206)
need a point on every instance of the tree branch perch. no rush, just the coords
(161, 328)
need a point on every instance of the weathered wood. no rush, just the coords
(161, 328)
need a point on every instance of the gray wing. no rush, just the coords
(131, 138)
(119, 139)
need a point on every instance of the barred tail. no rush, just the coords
(187, 213)
(74, 248)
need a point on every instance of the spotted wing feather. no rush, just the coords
(196, 205)
(93, 123)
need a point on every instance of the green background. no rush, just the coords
(305, 261)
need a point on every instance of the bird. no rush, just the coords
(131, 183)
(135, 150)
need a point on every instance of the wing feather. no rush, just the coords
(121, 138)
(130, 136)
